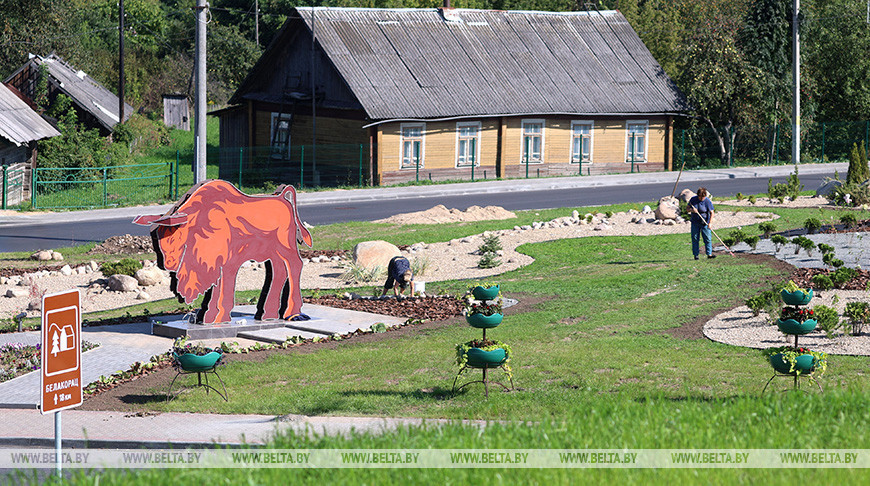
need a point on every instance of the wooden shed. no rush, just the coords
(20, 129)
(439, 91)
(176, 111)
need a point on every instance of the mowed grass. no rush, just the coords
(594, 367)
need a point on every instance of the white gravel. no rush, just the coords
(739, 327)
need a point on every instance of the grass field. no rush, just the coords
(593, 364)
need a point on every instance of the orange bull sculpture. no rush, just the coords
(207, 236)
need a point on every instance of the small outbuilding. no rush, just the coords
(176, 111)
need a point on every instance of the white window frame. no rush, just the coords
(628, 124)
(476, 138)
(591, 126)
(285, 154)
(531, 121)
(402, 127)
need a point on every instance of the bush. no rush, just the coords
(858, 194)
(812, 225)
(489, 260)
(778, 242)
(843, 276)
(752, 199)
(767, 228)
(491, 244)
(140, 134)
(849, 220)
(825, 249)
(858, 169)
(126, 266)
(737, 235)
(827, 318)
(802, 242)
(763, 301)
(858, 314)
(791, 189)
(822, 282)
(752, 241)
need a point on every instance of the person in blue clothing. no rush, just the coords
(701, 208)
(399, 275)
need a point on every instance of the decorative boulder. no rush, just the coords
(56, 256)
(686, 195)
(122, 283)
(668, 208)
(371, 254)
(828, 187)
(42, 256)
(149, 276)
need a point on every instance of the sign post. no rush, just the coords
(61, 376)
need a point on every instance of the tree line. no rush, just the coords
(732, 58)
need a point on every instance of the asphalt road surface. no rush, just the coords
(57, 235)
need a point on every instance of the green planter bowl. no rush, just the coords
(192, 362)
(478, 358)
(481, 321)
(804, 363)
(791, 326)
(485, 293)
(797, 297)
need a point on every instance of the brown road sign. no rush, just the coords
(61, 382)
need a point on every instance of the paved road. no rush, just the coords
(30, 232)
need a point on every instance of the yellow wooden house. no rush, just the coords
(439, 93)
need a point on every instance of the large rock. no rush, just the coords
(686, 195)
(152, 275)
(122, 283)
(828, 187)
(42, 256)
(371, 254)
(668, 208)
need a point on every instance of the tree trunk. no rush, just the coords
(723, 154)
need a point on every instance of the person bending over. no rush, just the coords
(399, 275)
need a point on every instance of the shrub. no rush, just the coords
(752, 199)
(822, 282)
(491, 244)
(125, 266)
(858, 169)
(737, 235)
(729, 241)
(858, 314)
(768, 227)
(489, 260)
(791, 189)
(843, 276)
(858, 194)
(752, 241)
(763, 301)
(778, 242)
(827, 318)
(849, 220)
(802, 242)
(812, 225)
(419, 265)
(739, 196)
(825, 249)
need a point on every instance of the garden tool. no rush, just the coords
(711, 230)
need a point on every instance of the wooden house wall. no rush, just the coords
(501, 150)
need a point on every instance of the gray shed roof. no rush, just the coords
(18, 122)
(437, 63)
(86, 92)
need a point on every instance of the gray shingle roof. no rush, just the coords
(18, 122)
(86, 92)
(431, 63)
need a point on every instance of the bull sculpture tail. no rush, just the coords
(302, 233)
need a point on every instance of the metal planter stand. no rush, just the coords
(201, 372)
(485, 367)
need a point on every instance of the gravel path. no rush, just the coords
(455, 259)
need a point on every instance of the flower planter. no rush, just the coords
(805, 364)
(481, 321)
(791, 326)
(796, 297)
(485, 293)
(192, 362)
(478, 358)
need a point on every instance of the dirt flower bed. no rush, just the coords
(426, 308)
(803, 277)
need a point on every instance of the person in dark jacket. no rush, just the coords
(399, 275)
(701, 208)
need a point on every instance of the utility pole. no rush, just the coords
(257, 22)
(200, 95)
(314, 180)
(121, 62)
(796, 73)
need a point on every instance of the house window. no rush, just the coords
(581, 142)
(635, 141)
(280, 136)
(532, 150)
(412, 145)
(467, 144)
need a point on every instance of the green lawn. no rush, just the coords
(593, 365)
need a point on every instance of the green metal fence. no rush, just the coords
(821, 142)
(125, 185)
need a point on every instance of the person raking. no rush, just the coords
(701, 208)
(399, 275)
